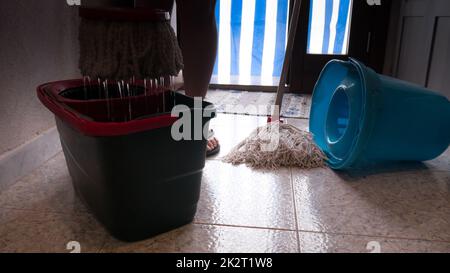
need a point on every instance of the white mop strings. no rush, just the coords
(120, 50)
(277, 145)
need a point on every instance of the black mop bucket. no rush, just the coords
(124, 163)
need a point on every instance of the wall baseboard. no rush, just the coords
(28, 156)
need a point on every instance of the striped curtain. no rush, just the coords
(252, 41)
(329, 26)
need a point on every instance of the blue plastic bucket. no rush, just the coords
(360, 117)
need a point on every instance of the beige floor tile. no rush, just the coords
(240, 196)
(413, 205)
(397, 168)
(47, 189)
(328, 243)
(302, 124)
(31, 231)
(207, 238)
(409, 203)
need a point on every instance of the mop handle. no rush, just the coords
(287, 59)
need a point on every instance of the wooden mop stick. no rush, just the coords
(287, 59)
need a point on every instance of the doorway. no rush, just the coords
(252, 42)
(253, 36)
(337, 29)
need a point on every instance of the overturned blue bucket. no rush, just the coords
(359, 117)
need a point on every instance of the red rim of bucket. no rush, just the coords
(48, 94)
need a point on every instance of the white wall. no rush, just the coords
(38, 43)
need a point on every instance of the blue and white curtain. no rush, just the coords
(329, 26)
(253, 36)
(252, 40)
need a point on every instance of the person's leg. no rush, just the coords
(198, 39)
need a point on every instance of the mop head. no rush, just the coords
(277, 145)
(121, 50)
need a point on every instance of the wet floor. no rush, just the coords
(403, 208)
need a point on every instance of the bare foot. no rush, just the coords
(212, 146)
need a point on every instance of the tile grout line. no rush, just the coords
(273, 229)
(105, 242)
(374, 236)
(238, 226)
(193, 222)
(45, 211)
(295, 211)
(269, 228)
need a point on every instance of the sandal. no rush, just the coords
(216, 149)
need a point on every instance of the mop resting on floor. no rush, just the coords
(277, 145)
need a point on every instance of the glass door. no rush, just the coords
(252, 42)
(253, 37)
(329, 27)
(337, 29)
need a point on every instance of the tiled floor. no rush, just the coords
(403, 208)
